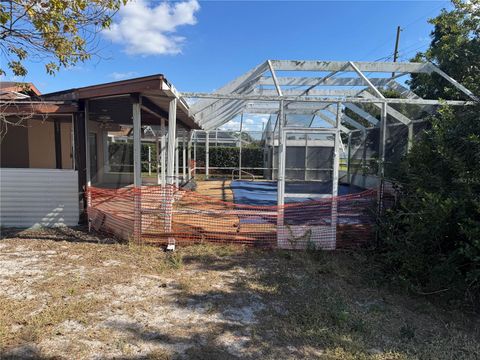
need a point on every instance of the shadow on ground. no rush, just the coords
(291, 305)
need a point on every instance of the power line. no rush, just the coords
(430, 12)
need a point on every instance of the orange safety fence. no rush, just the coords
(167, 213)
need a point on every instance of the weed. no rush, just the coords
(175, 260)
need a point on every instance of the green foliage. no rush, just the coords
(455, 48)
(60, 32)
(121, 156)
(222, 156)
(430, 240)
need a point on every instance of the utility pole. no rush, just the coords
(395, 52)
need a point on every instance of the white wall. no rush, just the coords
(38, 197)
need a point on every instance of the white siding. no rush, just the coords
(38, 197)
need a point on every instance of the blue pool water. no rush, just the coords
(260, 193)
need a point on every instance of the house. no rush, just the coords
(54, 145)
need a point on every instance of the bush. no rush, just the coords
(430, 239)
(221, 156)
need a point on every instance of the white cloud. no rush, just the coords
(248, 121)
(231, 125)
(121, 76)
(146, 30)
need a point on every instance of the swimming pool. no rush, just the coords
(264, 193)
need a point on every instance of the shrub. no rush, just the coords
(222, 156)
(430, 239)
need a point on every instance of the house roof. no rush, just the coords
(155, 92)
(12, 90)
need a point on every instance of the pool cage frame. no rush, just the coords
(263, 91)
(257, 93)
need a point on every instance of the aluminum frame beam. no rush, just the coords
(331, 100)
(346, 118)
(359, 111)
(366, 80)
(309, 92)
(454, 82)
(311, 81)
(367, 66)
(213, 110)
(332, 122)
(232, 86)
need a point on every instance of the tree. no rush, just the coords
(455, 48)
(60, 33)
(430, 239)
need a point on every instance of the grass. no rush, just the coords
(81, 300)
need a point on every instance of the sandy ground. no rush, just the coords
(89, 298)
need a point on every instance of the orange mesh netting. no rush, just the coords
(167, 213)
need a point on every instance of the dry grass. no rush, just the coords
(84, 299)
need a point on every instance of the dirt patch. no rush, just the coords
(85, 299)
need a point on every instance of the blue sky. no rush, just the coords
(201, 46)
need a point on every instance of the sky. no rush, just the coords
(200, 46)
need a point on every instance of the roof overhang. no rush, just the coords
(22, 108)
(154, 93)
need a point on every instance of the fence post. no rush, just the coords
(240, 149)
(137, 169)
(163, 159)
(207, 154)
(336, 166)
(381, 164)
(168, 198)
(281, 236)
(149, 160)
(177, 162)
(157, 158)
(88, 174)
(349, 154)
(189, 155)
(410, 136)
(184, 156)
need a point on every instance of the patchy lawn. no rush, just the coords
(88, 298)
